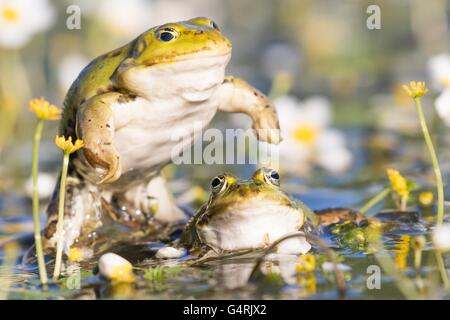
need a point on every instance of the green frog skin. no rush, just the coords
(126, 105)
(246, 214)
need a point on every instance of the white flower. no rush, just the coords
(20, 19)
(307, 138)
(170, 252)
(441, 237)
(46, 183)
(124, 18)
(442, 105)
(115, 268)
(69, 69)
(439, 70)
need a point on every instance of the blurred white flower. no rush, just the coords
(46, 183)
(442, 105)
(441, 237)
(20, 19)
(307, 138)
(439, 70)
(124, 18)
(69, 68)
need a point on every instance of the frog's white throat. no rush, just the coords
(191, 79)
(250, 226)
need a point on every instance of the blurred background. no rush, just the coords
(336, 83)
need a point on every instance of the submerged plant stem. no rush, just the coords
(35, 199)
(442, 269)
(60, 223)
(372, 202)
(434, 161)
(405, 285)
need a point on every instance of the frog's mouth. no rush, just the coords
(191, 56)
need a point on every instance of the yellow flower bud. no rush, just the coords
(426, 198)
(415, 89)
(44, 110)
(398, 183)
(307, 263)
(67, 146)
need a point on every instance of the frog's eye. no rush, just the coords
(271, 176)
(218, 184)
(166, 34)
(214, 25)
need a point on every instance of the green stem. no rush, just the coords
(35, 199)
(372, 202)
(434, 161)
(417, 259)
(405, 285)
(442, 270)
(60, 223)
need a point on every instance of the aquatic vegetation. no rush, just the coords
(43, 111)
(418, 244)
(308, 138)
(20, 19)
(416, 90)
(68, 147)
(399, 187)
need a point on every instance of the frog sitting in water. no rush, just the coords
(126, 105)
(246, 214)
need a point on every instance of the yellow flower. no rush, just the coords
(426, 198)
(67, 146)
(306, 134)
(44, 110)
(307, 263)
(398, 183)
(401, 251)
(415, 89)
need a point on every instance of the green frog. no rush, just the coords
(246, 214)
(133, 107)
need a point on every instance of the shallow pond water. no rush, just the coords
(276, 278)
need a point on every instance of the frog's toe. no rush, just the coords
(267, 128)
(108, 159)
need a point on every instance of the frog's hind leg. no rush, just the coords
(146, 206)
(82, 214)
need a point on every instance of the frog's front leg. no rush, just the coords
(238, 96)
(95, 126)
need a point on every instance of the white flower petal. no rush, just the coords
(441, 237)
(46, 183)
(330, 139)
(31, 16)
(439, 69)
(335, 160)
(317, 111)
(442, 105)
